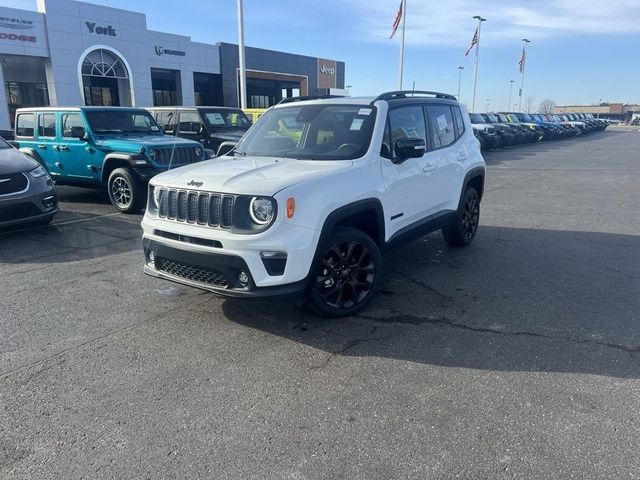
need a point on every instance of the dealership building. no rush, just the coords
(70, 53)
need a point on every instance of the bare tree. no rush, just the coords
(546, 106)
(529, 102)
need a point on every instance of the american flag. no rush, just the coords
(523, 57)
(474, 42)
(396, 22)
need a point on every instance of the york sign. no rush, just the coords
(108, 30)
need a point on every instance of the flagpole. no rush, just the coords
(524, 64)
(404, 17)
(475, 63)
(243, 78)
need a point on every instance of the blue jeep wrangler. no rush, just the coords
(115, 147)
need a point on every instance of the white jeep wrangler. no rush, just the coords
(313, 194)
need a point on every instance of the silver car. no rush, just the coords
(27, 194)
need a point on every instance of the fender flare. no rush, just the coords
(132, 159)
(477, 172)
(335, 217)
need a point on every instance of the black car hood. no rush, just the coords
(228, 133)
(14, 161)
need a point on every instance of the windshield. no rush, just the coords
(226, 119)
(121, 121)
(491, 118)
(318, 132)
(476, 118)
(503, 118)
(513, 118)
(4, 144)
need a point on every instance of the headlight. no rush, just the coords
(261, 210)
(156, 196)
(38, 172)
(153, 154)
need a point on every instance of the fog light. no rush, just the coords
(243, 278)
(152, 259)
(49, 202)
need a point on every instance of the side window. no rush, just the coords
(189, 122)
(47, 125)
(441, 121)
(24, 125)
(167, 120)
(69, 122)
(407, 122)
(457, 116)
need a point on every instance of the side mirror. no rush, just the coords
(410, 148)
(79, 133)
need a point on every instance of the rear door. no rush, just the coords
(46, 141)
(446, 127)
(77, 157)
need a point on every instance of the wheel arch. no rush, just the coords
(116, 160)
(474, 178)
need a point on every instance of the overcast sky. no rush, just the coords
(581, 51)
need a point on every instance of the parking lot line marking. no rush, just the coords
(61, 223)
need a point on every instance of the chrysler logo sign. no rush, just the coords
(165, 51)
(16, 23)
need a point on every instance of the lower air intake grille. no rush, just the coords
(193, 273)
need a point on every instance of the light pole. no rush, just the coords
(599, 108)
(510, 89)
(348, 88)
(460, 68)
(475, 63)
(488, 103)
(522, 65)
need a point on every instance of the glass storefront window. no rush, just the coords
(24, 94)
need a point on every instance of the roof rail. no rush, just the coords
(307, 97)
(411, 93)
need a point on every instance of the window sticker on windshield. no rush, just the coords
(442, 122)
(216, 118)
(290, 122)
(356, 124)
(154, 128)
(364, 111)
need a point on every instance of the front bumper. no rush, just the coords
(37, 203)
(224, 274)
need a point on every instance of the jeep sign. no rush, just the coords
(327, 70)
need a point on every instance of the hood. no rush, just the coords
(14, 161)
(248, 175)
(228, 134)
(133, 143)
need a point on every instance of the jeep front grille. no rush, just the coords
(213, 209)
(193, 273)
(172, 157)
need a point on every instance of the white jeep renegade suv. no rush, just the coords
(313, 194)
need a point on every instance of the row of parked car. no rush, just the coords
(506, 129)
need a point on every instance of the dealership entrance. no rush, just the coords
(265, 89)
(105, 79)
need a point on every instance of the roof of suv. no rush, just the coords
(199, 107)
(396, 97)
(77, 109)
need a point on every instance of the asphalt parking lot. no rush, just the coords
(518, 357)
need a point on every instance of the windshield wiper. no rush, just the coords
(239, 153)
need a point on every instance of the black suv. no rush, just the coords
(211, 126)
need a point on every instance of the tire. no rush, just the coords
(462, 231)
(126, 193)
(46, 220)
(347, 272)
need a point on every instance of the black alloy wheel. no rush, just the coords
(462, 230)
(348, 273)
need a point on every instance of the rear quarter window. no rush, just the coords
(441, 123)
(25, 125)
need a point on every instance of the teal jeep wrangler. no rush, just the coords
(114, 147)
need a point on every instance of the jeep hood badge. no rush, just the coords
(193, 183)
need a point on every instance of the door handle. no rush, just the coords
(63, 148)
(428, 167)
(42, 146)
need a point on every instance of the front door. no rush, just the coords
(406, 196)
(76, 157)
